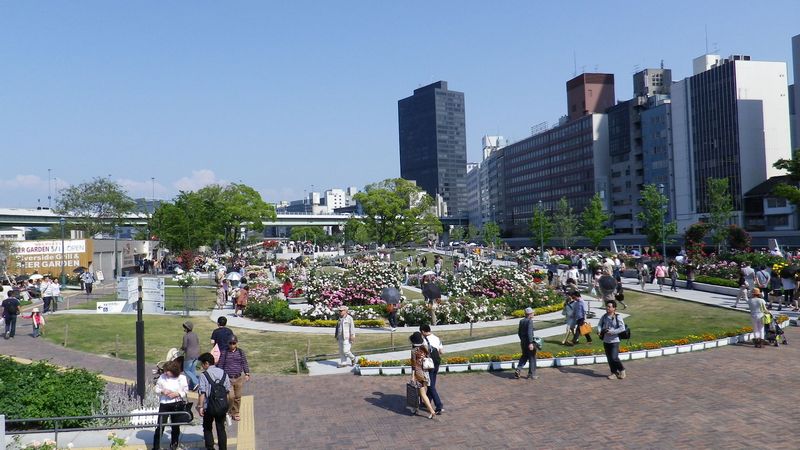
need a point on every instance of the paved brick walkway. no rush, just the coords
(731, 397)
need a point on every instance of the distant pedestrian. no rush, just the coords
(191, 351)
(527, 345)
(776, 290)
(610, 327)
(241, 301)
(345, 334)
(619, 294)
(661, 275)
(11, 307)
(435, 350)
(569, 314)
(221, 296)
(689, 277)
(88, 281)
(234, 362)
(673, 276)
(757, 310)
(644, 275)
(47, 293)
(220, 337)
(749, 276)
(580, 318)
(211, 375)
(37, 320)
(743, 290)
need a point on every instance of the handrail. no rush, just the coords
(57, 420)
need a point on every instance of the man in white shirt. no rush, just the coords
(345, 334)
(436, 350)
(47, 293)
(571, 273)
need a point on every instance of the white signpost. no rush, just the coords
(153, 295)
(110, 307)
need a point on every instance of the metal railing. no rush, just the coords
(58, 420)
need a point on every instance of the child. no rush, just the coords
(773, 332)
(38, 322)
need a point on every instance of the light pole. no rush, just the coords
(541, 230)
(664, 227)
(116, 259)
(62, 221)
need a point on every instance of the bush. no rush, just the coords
(456, 360)
(716, 281)
(272, 310)
(368, 323)
(42, 390)
(392, 363)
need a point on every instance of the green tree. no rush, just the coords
(355, 232)
(491, 234)
(457, 233)
(472, 232)
(309, 233)
(790, 191)
(594, 220)
(565, 223)
(654, 210)
(720, 208)
(94, 206)
(397, 211)
(241, 207)
(540, 226)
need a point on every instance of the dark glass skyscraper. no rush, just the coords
(433, 143)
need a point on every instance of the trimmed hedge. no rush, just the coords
(42, 390)
(273, 311)
(519, 313)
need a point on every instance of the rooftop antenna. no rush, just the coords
(574, 64)
(662, 63)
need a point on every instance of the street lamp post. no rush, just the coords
(62, 221)
(116, 258)
(664, 227)
(541, 230)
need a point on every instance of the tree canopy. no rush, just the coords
(540, 226)
(654, 211)
(720, 208)
(94, 206)
(491, 234)
(594, 220)
(789, 191)
(565, 222)
(397, 211)
(212, 215)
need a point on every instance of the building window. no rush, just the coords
(776, 202)
(778, 221)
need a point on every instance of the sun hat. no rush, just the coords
(35, 309)
(528, 310)
(188, 325)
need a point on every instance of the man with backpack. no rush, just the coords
(214, 386)
(10, 313)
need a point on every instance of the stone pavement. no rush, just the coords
(734, 397)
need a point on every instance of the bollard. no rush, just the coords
(296, 362)
(66, 333)
(470, 329)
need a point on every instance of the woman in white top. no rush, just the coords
(757, 310)
(172, 388)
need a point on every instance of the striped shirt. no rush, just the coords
(233, 363)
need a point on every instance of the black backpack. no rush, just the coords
(625, 334)
(217, 397)
(12, 308)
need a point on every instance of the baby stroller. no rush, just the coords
(773, 332)
(172, 355)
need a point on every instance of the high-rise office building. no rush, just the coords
(729, 120)
(433, 143)
(794, 91)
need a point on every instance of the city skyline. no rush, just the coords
(217, 94)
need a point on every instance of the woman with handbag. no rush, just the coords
(420, 359)
(172, 388)
(757, 309)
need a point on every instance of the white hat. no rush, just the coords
(35, 310)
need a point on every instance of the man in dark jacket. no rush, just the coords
(10, 312)
(527, 345)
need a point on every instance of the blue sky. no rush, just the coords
(286, 95)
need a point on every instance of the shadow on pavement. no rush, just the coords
(587, 372)
(389, 402)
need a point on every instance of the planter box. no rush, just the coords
(369, 371)
(583, 360)
(603, 359)
(547, 362)
(479, 366)
(722, 342)
(502, 365)
(457, 368)
(747, 337)
(733, 340)
(398, 370)
(685, 348)
(655, 353)
(710, 344)
(640, 354)
(625, 356)
(408, 370)
(669, 351)
(698, 346)
(565, 361)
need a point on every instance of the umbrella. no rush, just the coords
(428, 273)
(35, 276)
(234, 276)
(79, 269)
(21, 278)
(787, 272)
(431, 291)
(390, 295)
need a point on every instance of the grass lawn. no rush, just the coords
(652, 318)
(205, 299)
(268, 352)
(201, 282)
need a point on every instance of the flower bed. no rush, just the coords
(596, 356)
(370, 323)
